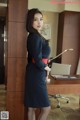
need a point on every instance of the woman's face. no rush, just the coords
(38, 22)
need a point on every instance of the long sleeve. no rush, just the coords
(37, 51)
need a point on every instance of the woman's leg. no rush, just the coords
(44, 113)
(31, 113)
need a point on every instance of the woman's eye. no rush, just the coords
(35, 19)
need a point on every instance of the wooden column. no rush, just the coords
(16, 63)
(68, 37)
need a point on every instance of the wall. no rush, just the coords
(47, 6)
(52, 19)
(74, 6)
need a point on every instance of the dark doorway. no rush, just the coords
(2, 67)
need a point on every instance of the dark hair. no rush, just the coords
(30, 18)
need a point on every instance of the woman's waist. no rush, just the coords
(44, 60)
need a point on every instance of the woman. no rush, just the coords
(36, 95)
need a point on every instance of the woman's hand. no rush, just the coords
(47, 69)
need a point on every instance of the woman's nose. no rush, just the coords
(39, 21)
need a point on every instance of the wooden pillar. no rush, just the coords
(68, 37)
(16, 59)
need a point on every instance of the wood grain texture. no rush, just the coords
(63, 86)
(71, 39)
(68, 37)
(16, 58)
(64, 89)
(16, 74)
(15, 105)
(17, 40)
(17, 10)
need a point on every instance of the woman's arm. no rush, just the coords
(37, 51)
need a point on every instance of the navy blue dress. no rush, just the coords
(35, 85)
